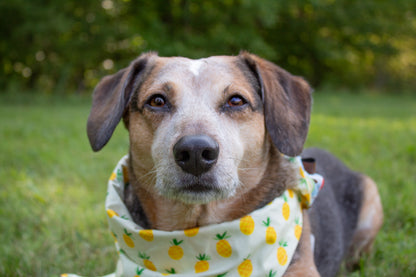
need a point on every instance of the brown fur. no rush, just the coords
(275, 122)
(166, 214)
(303, 262)
(369, 223)
(288, 110)
(286, 100)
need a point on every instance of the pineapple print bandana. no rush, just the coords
(259, 244)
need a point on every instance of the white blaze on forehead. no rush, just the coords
(195, 66)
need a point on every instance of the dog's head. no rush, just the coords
(200, 130)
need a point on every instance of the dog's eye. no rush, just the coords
(236, 101)
(157, 101)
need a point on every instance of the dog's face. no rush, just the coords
(201, 130)
(199, 116)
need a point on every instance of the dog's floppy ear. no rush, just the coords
(110, 100)
(287, 104)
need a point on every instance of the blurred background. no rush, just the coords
(360, 56)
(67, 46)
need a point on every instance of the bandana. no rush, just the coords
(261, 243)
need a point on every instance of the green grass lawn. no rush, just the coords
(52, 190)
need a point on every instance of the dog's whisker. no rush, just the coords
(150, 174)
(149, 178)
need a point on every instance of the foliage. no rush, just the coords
(55, 45)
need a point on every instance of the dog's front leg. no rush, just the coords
(303, 263)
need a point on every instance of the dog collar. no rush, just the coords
(259, 244)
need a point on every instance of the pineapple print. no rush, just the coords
(113, 176)
(202, 265)
(305, 204)
(270, 232)
(138, 272)
(306, 198)
(147, 262)
(291, 193)
(281, 253)
(285, 208)
(114, 236)
(119, 174)
(272, 273)
(169, 272)
(245, 268)
(191, 232)
(298, 229)
(247, 225)
(223, 246)
(175, 251)
(127, 239)
(111, 213)
(146, 235)
(302, 173)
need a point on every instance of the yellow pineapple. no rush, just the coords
(139, 272)
(302, 173)
(147, 262)
(245, 268)
(223, 246)
(146, 234)
(298, 229)
(113, 176)
(281, 253)
(270, 232)
(191, 232)
(247, 225)
(307, 199)
(175, 251)
(291, 193)
(202, 264)
(111, 213)
(127, 239)
(285, 209)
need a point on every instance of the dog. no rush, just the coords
(208, 144)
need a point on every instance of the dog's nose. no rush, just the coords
(196, 154)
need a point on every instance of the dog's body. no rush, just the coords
(348, 200)
(206, 139)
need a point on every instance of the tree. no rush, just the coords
(61, 46)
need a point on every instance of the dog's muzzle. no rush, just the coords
(196, 154)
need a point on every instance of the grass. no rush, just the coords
(52, 190)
